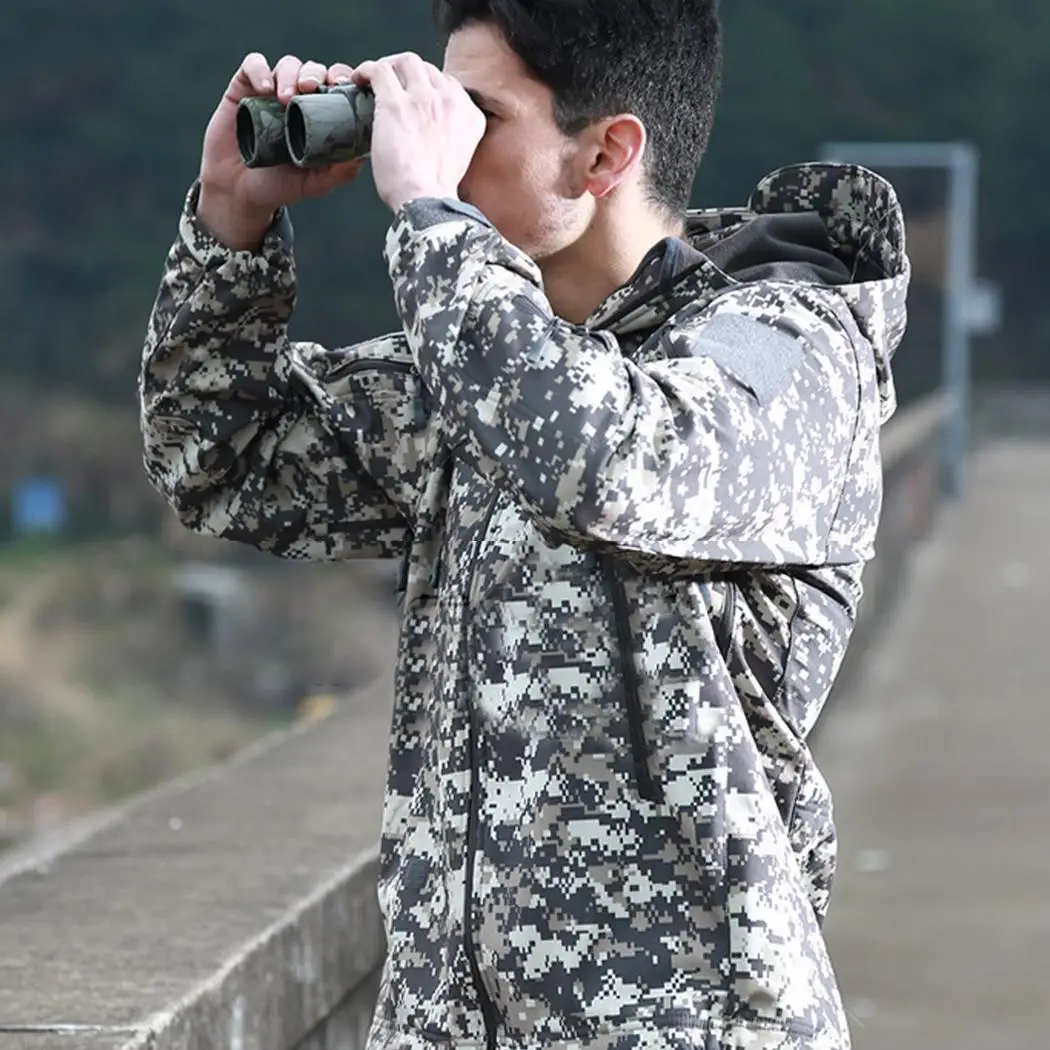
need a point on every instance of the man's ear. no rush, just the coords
(617, 146)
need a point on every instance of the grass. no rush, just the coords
(31, 552)
(130, 746)
(104, 692)
(42, 753)
(72, 738)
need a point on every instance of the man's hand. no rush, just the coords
(237, 203)
(425, 132)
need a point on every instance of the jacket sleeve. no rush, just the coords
(730, 440)
(304, 452)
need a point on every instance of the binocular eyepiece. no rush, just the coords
(330, 125)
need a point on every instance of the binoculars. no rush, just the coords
(330, 125)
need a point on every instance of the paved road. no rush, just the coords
(940, 759)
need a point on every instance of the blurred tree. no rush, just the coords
(803, 72)
(110, 100)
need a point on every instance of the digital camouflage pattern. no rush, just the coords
(260, 132)
(632, 558)
(336, 126)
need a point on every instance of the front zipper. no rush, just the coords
(643, 777)
(488, 1007)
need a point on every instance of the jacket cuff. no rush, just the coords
(429, 211)
(208, 252)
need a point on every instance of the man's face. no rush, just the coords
(525, 174)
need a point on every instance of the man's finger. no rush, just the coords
(398, 58)
(257, 68)
(385, 83)
(412, 71)
(311, 76)
(321, 181)
(437, 79)
(286, 76)
(340, 73)
(344, 171)
(253, 78)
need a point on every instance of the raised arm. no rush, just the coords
(294, 449)
(731, 442)
(297, 450)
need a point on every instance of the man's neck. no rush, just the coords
(581, 277)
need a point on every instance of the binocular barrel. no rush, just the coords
(330, 125)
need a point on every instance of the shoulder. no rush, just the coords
(808, 313)
(770, 336)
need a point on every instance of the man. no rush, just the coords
(630, 460)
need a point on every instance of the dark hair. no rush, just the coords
(658, 59)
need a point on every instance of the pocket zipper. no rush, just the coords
(648, 788)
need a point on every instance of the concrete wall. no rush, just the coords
(231, 909)
(235, 909)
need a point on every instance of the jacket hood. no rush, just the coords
(836, 225)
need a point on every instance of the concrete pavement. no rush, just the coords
(940, 761)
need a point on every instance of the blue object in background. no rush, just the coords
(38, 506)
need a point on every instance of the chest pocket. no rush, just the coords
(513, 551)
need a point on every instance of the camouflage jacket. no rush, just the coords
(632, 553)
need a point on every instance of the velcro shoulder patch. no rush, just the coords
(758, 355)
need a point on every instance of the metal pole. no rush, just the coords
(959, 277)
(961, 162)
